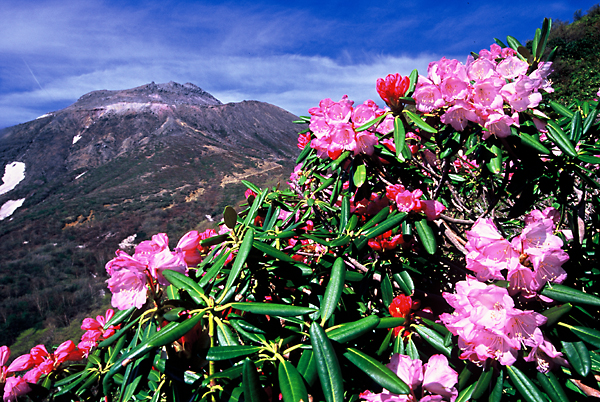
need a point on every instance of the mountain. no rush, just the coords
(120, 165)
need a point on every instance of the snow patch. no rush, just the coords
(76, 138)
(44, 116)
(79, 175)
(9, 207)
(14, 173)
(128, 242)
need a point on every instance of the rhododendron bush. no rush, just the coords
(443, 248)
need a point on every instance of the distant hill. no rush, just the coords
(577, 64)
(156, 158)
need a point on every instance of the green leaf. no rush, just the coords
(328, 367)
(250, 382)
(560, 109)
(534, 45)
(251, 186)
(345, 213)
(130, 389)
(589, 159)
(377, 371)
(426, 236)
(433, 338)
(589, 335)
(552, 387)
(579, 357)
(399, 137)
(576, 127)
(353, 330)
(411, 349)
(168, 334)
(119, 317)
(380, 216)
(558, 136)
(496, 394)
(387, 293)
(483, 383)
(225, 336)
(333, 292)
(565, 294)
(419, 122)
(541, 44)
(524, 385)
(371, 123)
(495, 163)
(388, 224)
(291, 383)
(405, 282)
(413, 76)
(390, 322)
(553, 314)
(240, 259)
(533, 143)
(230, 217)
(307, 367)
(513, 42)
(230, 352)
(304, 154)
(589, 120)
(281, 310)
(180, 281)
(173, 314)
(215, 269)
(360, 175)
(465, 394)
(214, 240)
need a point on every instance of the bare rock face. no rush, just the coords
(156, 158)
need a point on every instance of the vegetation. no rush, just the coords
(444, 249)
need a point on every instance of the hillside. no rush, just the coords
(576, 66)
(117, 165)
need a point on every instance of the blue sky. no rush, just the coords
(291, 54)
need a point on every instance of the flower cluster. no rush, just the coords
(489, 326)
(407, 201)
(529, 260)
(433, 381)
(334, 127)
(131, 275)
(40, 362)
(11, 385)
(489, 91)
(94, 330)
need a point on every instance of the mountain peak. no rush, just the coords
(170, 93)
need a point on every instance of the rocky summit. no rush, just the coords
(113, 169)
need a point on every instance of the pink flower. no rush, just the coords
(129, 288)
(432, 209)
(189, 245)
(407, 201)
(15, 387)
(303, 140)
(393, 87)
(512, 67)
(439, 378)
(427, 96)
(436, 377)
(459, 115)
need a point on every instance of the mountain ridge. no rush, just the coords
(155, 158)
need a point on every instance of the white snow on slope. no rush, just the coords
(9, 207)
(14, 173)
(76, 138)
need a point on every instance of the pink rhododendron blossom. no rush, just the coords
(459, 115)
(188, 244)
(15, 387)
(334, 123)
(303, 141)
(43, 362)
(487, 323)
(129, 289)
(432, 209)
(433, 381)
(428, 96)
